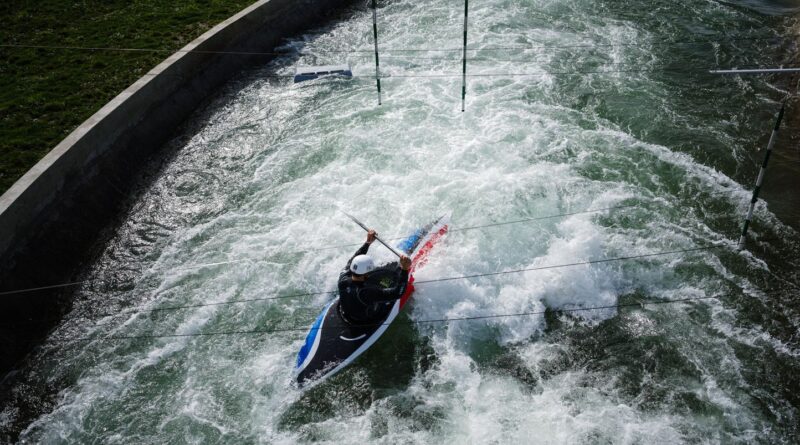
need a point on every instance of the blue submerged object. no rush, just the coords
(303, 73)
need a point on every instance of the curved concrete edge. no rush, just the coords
(24, 198)
(29, 179)
(40, 186)
(54, 218)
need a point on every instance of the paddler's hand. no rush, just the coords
(371, 236)
(405, 262)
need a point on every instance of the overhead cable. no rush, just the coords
(54, 286)
(219, 263)
(409, 322)
(579, 263)
(390, 50)
(435, 280)
(338, 246)
(529, 74)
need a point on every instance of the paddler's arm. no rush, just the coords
(361, 250)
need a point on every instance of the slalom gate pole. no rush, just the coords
(464, 59)
(762, 171)
(375, 38)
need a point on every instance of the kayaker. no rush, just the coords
(361, 300)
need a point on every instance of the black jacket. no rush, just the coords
(364, 301)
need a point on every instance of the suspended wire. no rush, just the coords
(194, 266)
(613, 45)
(703, 71)
(390, 50)
(579, 263)
(304, 294)
(297, 295)
(456, 229)
(54, 286)
(416, 283)
(575, 46)
(450, 230)
(544, 73)
(141, 50)
(539, 218)
(409, 322)
(223, 303)
(684, 70)
(29, 322)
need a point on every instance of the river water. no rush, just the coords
(615, 110)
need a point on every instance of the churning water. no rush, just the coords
(619, 113)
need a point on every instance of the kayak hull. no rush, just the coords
(333, 343)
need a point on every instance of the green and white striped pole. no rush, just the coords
(375, 38)
(760, 179)
(464, 59)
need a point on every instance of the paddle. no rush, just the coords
(399, 255)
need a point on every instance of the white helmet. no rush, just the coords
(362, 265)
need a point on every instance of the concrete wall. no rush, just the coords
(53, 216)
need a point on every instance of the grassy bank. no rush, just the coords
(47, 93)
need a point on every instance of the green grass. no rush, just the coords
(47, 93)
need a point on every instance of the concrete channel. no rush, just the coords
(53, 218)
